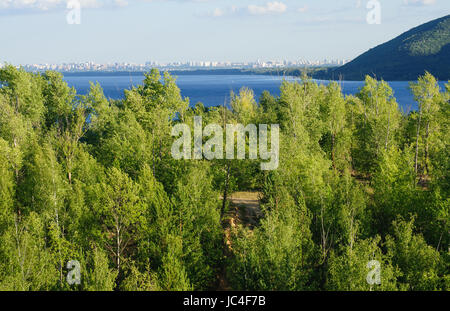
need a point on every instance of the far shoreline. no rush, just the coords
(288, 72)
(315, 73)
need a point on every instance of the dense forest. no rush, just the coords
(88, 179)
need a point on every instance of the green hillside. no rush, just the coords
(423, 48)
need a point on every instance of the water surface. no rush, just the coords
(214, 90)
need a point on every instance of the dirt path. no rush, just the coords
(243, 210)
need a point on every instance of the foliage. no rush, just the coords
(88, 179)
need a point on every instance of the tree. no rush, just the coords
(140, 281)
(394, 188)
(25, 262)
(426, 93)
(172, 275)
(269, 105)
(59, 99)
(158, 221)
(418, 262)
(197, 219)
(244, 106)
(351, 270)
(7, 186)
(121, 212)
(24, 92)
(377, 120)
(333, 111)
(100, 277)
(276, 255)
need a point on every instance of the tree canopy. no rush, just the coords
(89, 179)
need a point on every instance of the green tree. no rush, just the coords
(276, 255)
(197, 217)
(426, 93)
(172, 275)
(351, 270)
(333, 111)
(26, 263)
(418, 262)
(377, 120)
(100, 277)
(120, 209)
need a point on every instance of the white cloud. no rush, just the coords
(419, 2)
(23, 4)
(302, 9)
(270, 7)
(44, 5)
(275, 7)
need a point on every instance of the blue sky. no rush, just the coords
(36, 31)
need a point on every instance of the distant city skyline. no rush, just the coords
(117, 31)
(127, 66)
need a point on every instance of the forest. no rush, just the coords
(91, 180)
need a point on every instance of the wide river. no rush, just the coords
(213, 90)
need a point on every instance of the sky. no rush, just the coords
(136, 31)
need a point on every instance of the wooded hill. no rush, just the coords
(406, 57)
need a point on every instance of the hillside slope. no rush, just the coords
(423, 48)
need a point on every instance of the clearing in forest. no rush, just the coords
(244, 209)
